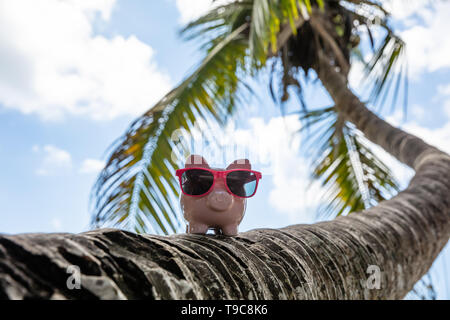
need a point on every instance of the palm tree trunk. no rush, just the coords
(421, 213)
(380, 254)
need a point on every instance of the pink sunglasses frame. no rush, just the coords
(217, 175)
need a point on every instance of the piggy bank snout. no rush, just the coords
(219, 200)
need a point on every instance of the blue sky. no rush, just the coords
(62, 104)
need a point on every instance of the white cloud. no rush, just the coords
(426, 45)
(357, 74)
(91, 7)
(52, 64)
(56, 224)
(90, 166)
(192, 9)
(420, 24)
(405, 9)
(438, 137)
(54, 160)
(277, 147)
(444, 92)
(294, 192)
(447, 107)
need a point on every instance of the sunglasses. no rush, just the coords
(196, 182)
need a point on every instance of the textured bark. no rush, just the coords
(327, 260)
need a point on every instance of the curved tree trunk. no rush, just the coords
(338, 259)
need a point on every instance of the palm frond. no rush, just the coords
(267, 18)
(137, 188)
(219, 19)
(386, 71)
(354, 178)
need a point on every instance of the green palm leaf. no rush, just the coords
(387, 70)
(354, 178)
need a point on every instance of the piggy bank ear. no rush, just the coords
(240, 164)
(194, 160)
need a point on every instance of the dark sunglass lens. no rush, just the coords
(196, 182)
(242, 183)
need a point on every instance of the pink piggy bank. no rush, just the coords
(215, 198)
